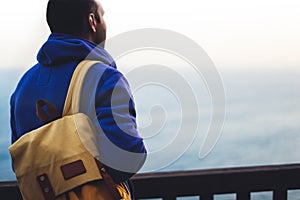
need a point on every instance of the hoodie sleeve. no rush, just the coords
(116, 115)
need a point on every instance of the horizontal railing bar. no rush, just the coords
(233, 170)
(9, 189)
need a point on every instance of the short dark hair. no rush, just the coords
(67, 16)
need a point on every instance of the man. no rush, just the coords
(78, 30)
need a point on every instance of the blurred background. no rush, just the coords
(254, 45)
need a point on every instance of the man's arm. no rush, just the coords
(116, 115)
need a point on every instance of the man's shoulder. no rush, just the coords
(107, 71)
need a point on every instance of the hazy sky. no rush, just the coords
(234, 33)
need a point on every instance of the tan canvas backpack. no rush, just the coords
(60, 156)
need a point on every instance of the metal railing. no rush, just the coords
(241, 181)
(206, 183)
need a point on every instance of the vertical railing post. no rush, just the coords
(206, 197)
(280, 194)
(169, 197)
(243, 195)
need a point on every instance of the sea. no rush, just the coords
(261, 123)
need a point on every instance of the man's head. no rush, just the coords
(83, 18)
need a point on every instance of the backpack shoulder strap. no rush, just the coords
(81, 98)
(78, 93)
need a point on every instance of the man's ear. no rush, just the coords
(93, 22)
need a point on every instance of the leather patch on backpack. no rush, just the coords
(73, 169)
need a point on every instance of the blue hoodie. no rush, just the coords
(49, 79)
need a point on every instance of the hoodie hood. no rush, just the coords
(60, 49)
